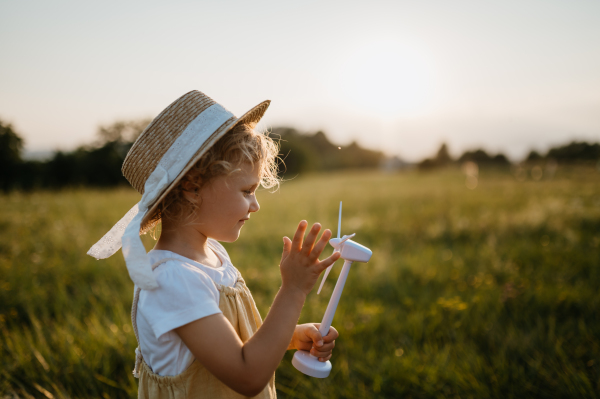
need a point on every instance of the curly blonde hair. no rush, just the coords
(240, 145)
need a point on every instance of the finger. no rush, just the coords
(314, 335)
(319, 353)
(299, 236)
(324, 359)
(310, 239)
(320, 246)
(308, 345)
(325, 263)
(331, 336)
(287, 247)
(327, 347)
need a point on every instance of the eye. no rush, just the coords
(247, 193)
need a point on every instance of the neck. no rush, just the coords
(185, 241)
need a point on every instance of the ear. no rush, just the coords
(190, 191)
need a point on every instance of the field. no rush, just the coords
(472, 293)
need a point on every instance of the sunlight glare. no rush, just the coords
(389, 79)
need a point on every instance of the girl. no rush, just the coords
(199, 332)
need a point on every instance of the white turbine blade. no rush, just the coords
(340, 221)
(329, 268)
(346, 238)
(325, 276)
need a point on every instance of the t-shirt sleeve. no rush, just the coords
(185, 294)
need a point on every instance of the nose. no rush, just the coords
(254, 206)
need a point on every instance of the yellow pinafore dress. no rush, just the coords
(196, 381)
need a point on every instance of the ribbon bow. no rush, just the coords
(129, 230)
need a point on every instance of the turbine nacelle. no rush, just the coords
(351, 250)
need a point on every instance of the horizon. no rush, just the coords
(401, 78)
(45, 155)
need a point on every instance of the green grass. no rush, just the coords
(491, 292)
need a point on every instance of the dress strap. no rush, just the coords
(136, 297)
(239, 284)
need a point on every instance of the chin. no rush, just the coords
(229, 237)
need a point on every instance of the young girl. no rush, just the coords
(199, 332)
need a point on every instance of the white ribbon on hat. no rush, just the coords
(127, 230)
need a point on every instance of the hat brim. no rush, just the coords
(252, 117)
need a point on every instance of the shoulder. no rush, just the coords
(181, 286)
(185, 293)
(173, 272)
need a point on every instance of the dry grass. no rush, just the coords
(491, 292)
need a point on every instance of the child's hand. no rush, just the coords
(300, 266)
(308, 338)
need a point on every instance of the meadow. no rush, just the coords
(491, 291)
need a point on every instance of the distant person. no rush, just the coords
(198, 328)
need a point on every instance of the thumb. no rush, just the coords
(314, 334)
(287, 247)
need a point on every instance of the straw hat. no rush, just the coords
(159, 135)
(171, 144)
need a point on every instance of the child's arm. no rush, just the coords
(247, 368)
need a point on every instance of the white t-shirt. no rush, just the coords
(186, 293)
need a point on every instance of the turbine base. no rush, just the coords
(306, 363)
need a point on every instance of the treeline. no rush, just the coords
(478, 156)
(99, 163)
(302, 152)
(574, 152)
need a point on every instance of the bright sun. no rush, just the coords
(388, 79)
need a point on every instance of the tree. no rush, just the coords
(481, 157)
(121, 131)
(533, 156)
(575, 152)
(302, 152)
(443, 157)
(11, 145)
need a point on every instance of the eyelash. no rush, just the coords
(247, 193)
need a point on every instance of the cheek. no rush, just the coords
(225, 209)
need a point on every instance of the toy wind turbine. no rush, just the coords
(350, 251)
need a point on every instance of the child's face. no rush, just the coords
(227, 201)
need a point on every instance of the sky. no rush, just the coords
(397, 76)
